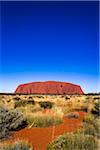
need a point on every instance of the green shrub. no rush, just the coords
(66, 97)
(20, 103)
(30, 97)
(46, 104)
(17, 146)
(17, 98)
(23, 103)
(96, 109)
(43, 121)
(31, 102)
(73, 141)
(10, 120)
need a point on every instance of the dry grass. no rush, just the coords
(63, 104)
(43, 120)
(18, 145)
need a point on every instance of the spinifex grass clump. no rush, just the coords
(19, 145)
(43, 121)
(91, 125)
(73, 141)
(10, 120)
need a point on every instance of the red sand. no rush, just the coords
(41, 137)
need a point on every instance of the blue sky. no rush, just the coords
(49, 41)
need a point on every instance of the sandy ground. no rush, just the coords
(39, 138)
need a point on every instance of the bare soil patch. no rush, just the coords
(39, 138)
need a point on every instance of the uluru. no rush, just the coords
(49, 87)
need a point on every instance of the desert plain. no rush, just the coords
(49, 122)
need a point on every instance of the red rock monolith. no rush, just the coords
(49, 87)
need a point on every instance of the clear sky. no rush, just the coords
(43, 41)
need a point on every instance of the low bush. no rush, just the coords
(96, 109)
(10, 120)
(20, 145)
(45, 105)
(66, 97)
(73, 141)
(40, 96)
(22, 103)
(30, 97)
(43, 121)
(31, 102)
(97, 98)
(91, 125)
(17, 98)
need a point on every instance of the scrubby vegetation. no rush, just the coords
(87, 137)
(45, 105)
(71, 141)
(96, 109)
(17, 98)
(19, 145)
(43, 121)
(10, 120)
(19, 111)
(23, 103)
(91, 125)
(66, 97)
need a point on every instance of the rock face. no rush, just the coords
(49, 87)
